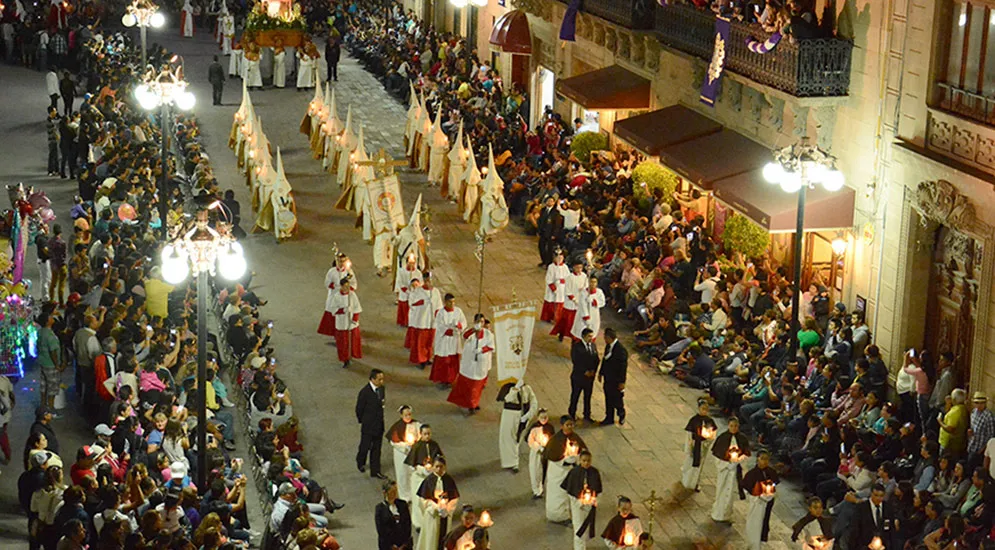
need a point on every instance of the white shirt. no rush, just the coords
(990, 453)
(707, 289)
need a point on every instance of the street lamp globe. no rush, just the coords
(833, 180)
(185, 100)
(479, 3)
(458, 3)
(175, 267)
(231, 263)
(146, 97)
(129, 20)
(839, 246)
(791, 182)
(157, 20)
(774, 173)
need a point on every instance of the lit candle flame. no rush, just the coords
(768, 488)
(629, 539)
(409, 439)
(734, 454)
(543, 439)
(707, 432)
(485, 519)
(876, 544)
(571, 449)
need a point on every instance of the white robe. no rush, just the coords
(475, 362)
(578, 513)
(350, 307)
(420, 316)
(588, 312)
(535, 460)
(305, 72)
(446, 345)
(402, 472)
(428, 537)
(280, 69)
(402, 280)
(457, 167)
(556, 275)
(726, 491)
(332, 279)
(757, 507)
(557, 500)
(576, 283)
(227, 25)
(383, 247)
(235, 63)
(808, 533)
(690, 474)
(508, 442)
(253, 78)
(186, 20)
(417, 475)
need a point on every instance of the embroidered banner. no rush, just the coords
(384, 196)
(713, 74)
(513, 326)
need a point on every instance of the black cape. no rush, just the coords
(694, 428)
(448, 485)
(557, 447)
(720, 449)
(826, 524)
(577, 477)
(751, 483)
(422, 452)
(615, 529)
(397, 431)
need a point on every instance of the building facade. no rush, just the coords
(903, 94)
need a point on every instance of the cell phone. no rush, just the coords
(172, 331)
(272, 361)
(842, 447)
(912, 352)
(280, 395)
(270, 324)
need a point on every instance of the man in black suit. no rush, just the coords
(549, 225)
(874, 518)
(369, 414)
(584, 355)
(613, 370)
(216, 76)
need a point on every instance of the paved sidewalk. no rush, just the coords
(644, 455)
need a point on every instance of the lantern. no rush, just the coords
(587, 496)
(485, 520)
(629, 538)
(543, 439)
(876, 544)
(767, 488)
(707, 432)
(734, 454)
(571, 449)
(409, 438)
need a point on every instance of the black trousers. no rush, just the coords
(333, 71)
(54, 98)
(614, 400)
(369, 444)
(578, 387)
(68, 161)
(53, 157)
(217, 90)
(546, 250)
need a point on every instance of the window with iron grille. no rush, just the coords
(967, 85)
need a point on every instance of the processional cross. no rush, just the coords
(383, 164)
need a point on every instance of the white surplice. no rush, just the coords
(589, 306)
(508, 442)
(726, 491)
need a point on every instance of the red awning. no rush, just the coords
(777, 211)
(717, 156)
(610, 88)
(511, 33)
(652, 132)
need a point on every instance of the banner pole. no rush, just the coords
(482, 241)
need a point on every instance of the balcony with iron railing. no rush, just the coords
(631, 14)
(965, 103)
(818, 67)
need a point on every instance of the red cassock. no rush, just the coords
(402, 316)
(349, 343)
(474, 366)
(421, 344)
(564, 322)
(551, 311)
(327, 324)
(466, 392)
(444, 369)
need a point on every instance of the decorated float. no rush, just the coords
(275, 23)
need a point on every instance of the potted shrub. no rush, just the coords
(583, 143)
(743, 236)
(654, 177)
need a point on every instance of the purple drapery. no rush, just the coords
(568, 29)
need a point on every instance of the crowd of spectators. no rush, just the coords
(794, 18)
(717, 321)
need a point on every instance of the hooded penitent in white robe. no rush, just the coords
(471, 188)
(411, 123)
(438, 147)
(493, 208)
(457, 166)
(519, 405)
(344, 148)
(424, 144)
(235, 61)
(186, 20)
(280, 69)
(333, 129)
(305, 70)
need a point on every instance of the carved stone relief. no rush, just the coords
(799, 122)
(775, 115)
(825, 125)
(963, 143)
(941, 202)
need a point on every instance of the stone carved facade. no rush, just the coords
(941, 202)
(962, 140)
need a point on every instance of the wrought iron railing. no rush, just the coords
(631, 14)
(967, 104)
(814, 67)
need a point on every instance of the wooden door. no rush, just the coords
(952, 298)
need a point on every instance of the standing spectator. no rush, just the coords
(49, 359)
(393, 520)
(67, 89)
(43, 425)
(41, 41)
(369, 414)
(67, 146)
(953, 424)
(157, 294)
(333, 51)
(57, 258)
(44, 265)
(58, 48)
(982, 427)
(7, 402)
(52, 129)
(216, 76)
(613, 373)
(584, 356)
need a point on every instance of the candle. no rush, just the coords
(767, 488)
(707, 432)
(587, 497)
(734, 454)
(485, 519)
(571, 449)
(629, 538)
(409, 438)
(543, 439)
(876, 544)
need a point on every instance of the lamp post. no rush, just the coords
(201, 252)
(796, 168)
(163, 91)
(143, 14)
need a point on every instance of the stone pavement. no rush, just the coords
(634, 459)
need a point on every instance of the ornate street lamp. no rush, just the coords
(796, 168)
(143, 14)
(163, 91)
(202, 252)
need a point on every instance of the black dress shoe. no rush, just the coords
(362, 469)
(589, 420)
(378, 475)
(607, 422)
(621, 421)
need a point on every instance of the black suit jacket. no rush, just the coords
(369, 409)
(549, 223)
(390, 531)
(864, 529)
(583, 361)
(613, 368)
(216, 73)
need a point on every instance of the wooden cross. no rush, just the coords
(383, 164)
(651, 503)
